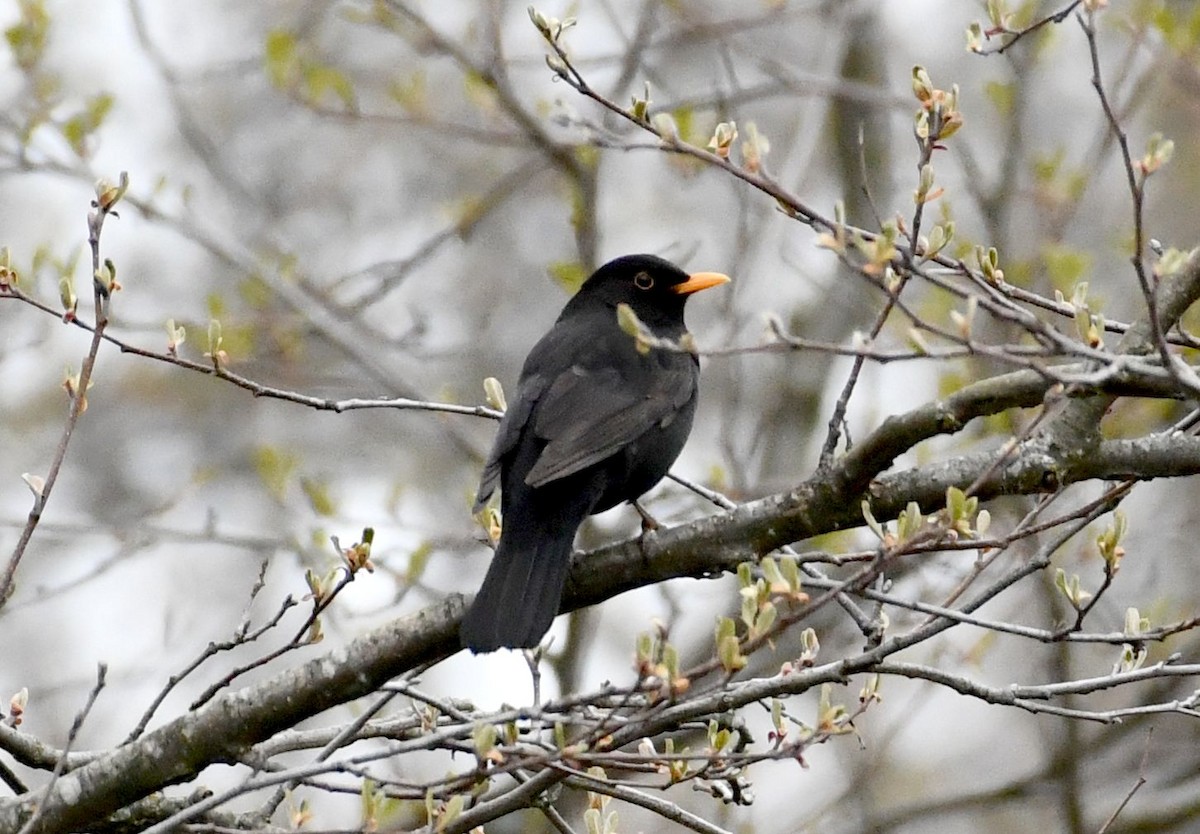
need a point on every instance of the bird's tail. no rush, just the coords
(522, 591)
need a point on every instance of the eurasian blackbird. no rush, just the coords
(598, 418)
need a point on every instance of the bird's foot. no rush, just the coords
(649, 522)
(650, 527)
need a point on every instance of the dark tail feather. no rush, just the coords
(522, 591)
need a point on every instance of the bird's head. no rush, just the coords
(654, 288)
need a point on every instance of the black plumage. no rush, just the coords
(597, 419)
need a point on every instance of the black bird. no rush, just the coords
(598, 418)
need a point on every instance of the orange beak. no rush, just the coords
(700, 281)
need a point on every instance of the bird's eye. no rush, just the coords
(643, 280)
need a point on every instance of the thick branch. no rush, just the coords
(222, 730)
(1073, 432)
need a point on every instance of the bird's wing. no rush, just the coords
(551, 351)
(587, 414)
(507, 436)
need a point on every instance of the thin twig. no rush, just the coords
(101, 209)
(61, 766)
(1141, 780)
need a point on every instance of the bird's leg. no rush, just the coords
(649, 522)
(649, 525)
